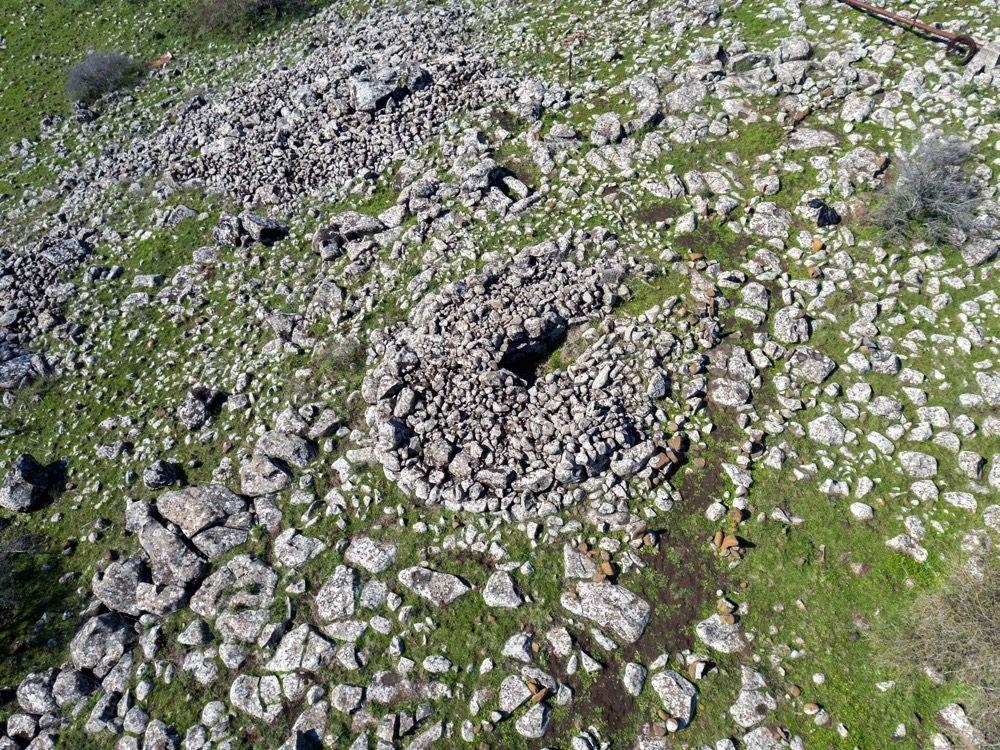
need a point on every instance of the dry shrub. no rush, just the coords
(242, 16)
(954, 629)
(933, 197)
(100, 73)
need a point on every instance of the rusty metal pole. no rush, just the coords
(958, 45)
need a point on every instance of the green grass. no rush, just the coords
(797, 583)
(44, 39)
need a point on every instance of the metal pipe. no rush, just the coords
(958, 44)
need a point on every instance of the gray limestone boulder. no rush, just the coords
(301, 649)
(259, 697)
(101, 642)
(753, 701)
(440, 589)
(677, 694)
(117, 585)
(373, 555)
(721, 636)
(35, 693)
(260, 475)
(501, 591)
(614, 607)
(27, 485)
(335, 599)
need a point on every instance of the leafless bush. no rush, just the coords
(100, 73)
(241, 16)
(954, 630)
(932, 196)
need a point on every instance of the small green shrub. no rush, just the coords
(933, 196)
(100, 73)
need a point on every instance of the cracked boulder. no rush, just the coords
(212, 517)
(102, 642)
(613, 607)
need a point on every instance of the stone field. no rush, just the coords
(540, 374)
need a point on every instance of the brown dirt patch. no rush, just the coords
(678, 595)
(659, 212)
(688, 566)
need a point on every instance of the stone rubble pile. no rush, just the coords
(367, 93)
(33, 291)
(459, 416)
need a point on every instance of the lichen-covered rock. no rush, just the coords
(373, 555)
(117, 586)
(35, 693)
(101, 642)
(614, 607)
(677, 694)
(440, 589)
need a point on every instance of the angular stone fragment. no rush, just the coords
(160, 474)
(293, 550)
(293, 450)
(791, 326)
(373, 555)
(241, 583)
(262, 229)
(501, 591)
(27, 484)
(117, 586)
(171, 560)
(727, 392)
(576, 564)
(512, 694)
(614, 607)
(533, 722)
(677, 694)
(753, 701)
(726, 638)
(347, 698)
(954, 720)
(811, 365)
(440, 589)
(195, 509)
(71, 686)
(260, 475)
(101, 642)
(634, 678)
(803, 139)
(301, 649)
(827, 430)
(335, 599)
(961, 500)
(260, 697)
(907, 545)
(35, 693)
(989, 385)
(918, 465)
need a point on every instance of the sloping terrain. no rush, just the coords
(536, 374)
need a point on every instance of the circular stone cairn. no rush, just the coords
(460, 415)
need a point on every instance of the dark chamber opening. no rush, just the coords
(528, 360)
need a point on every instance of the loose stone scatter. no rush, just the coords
(497, 375)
